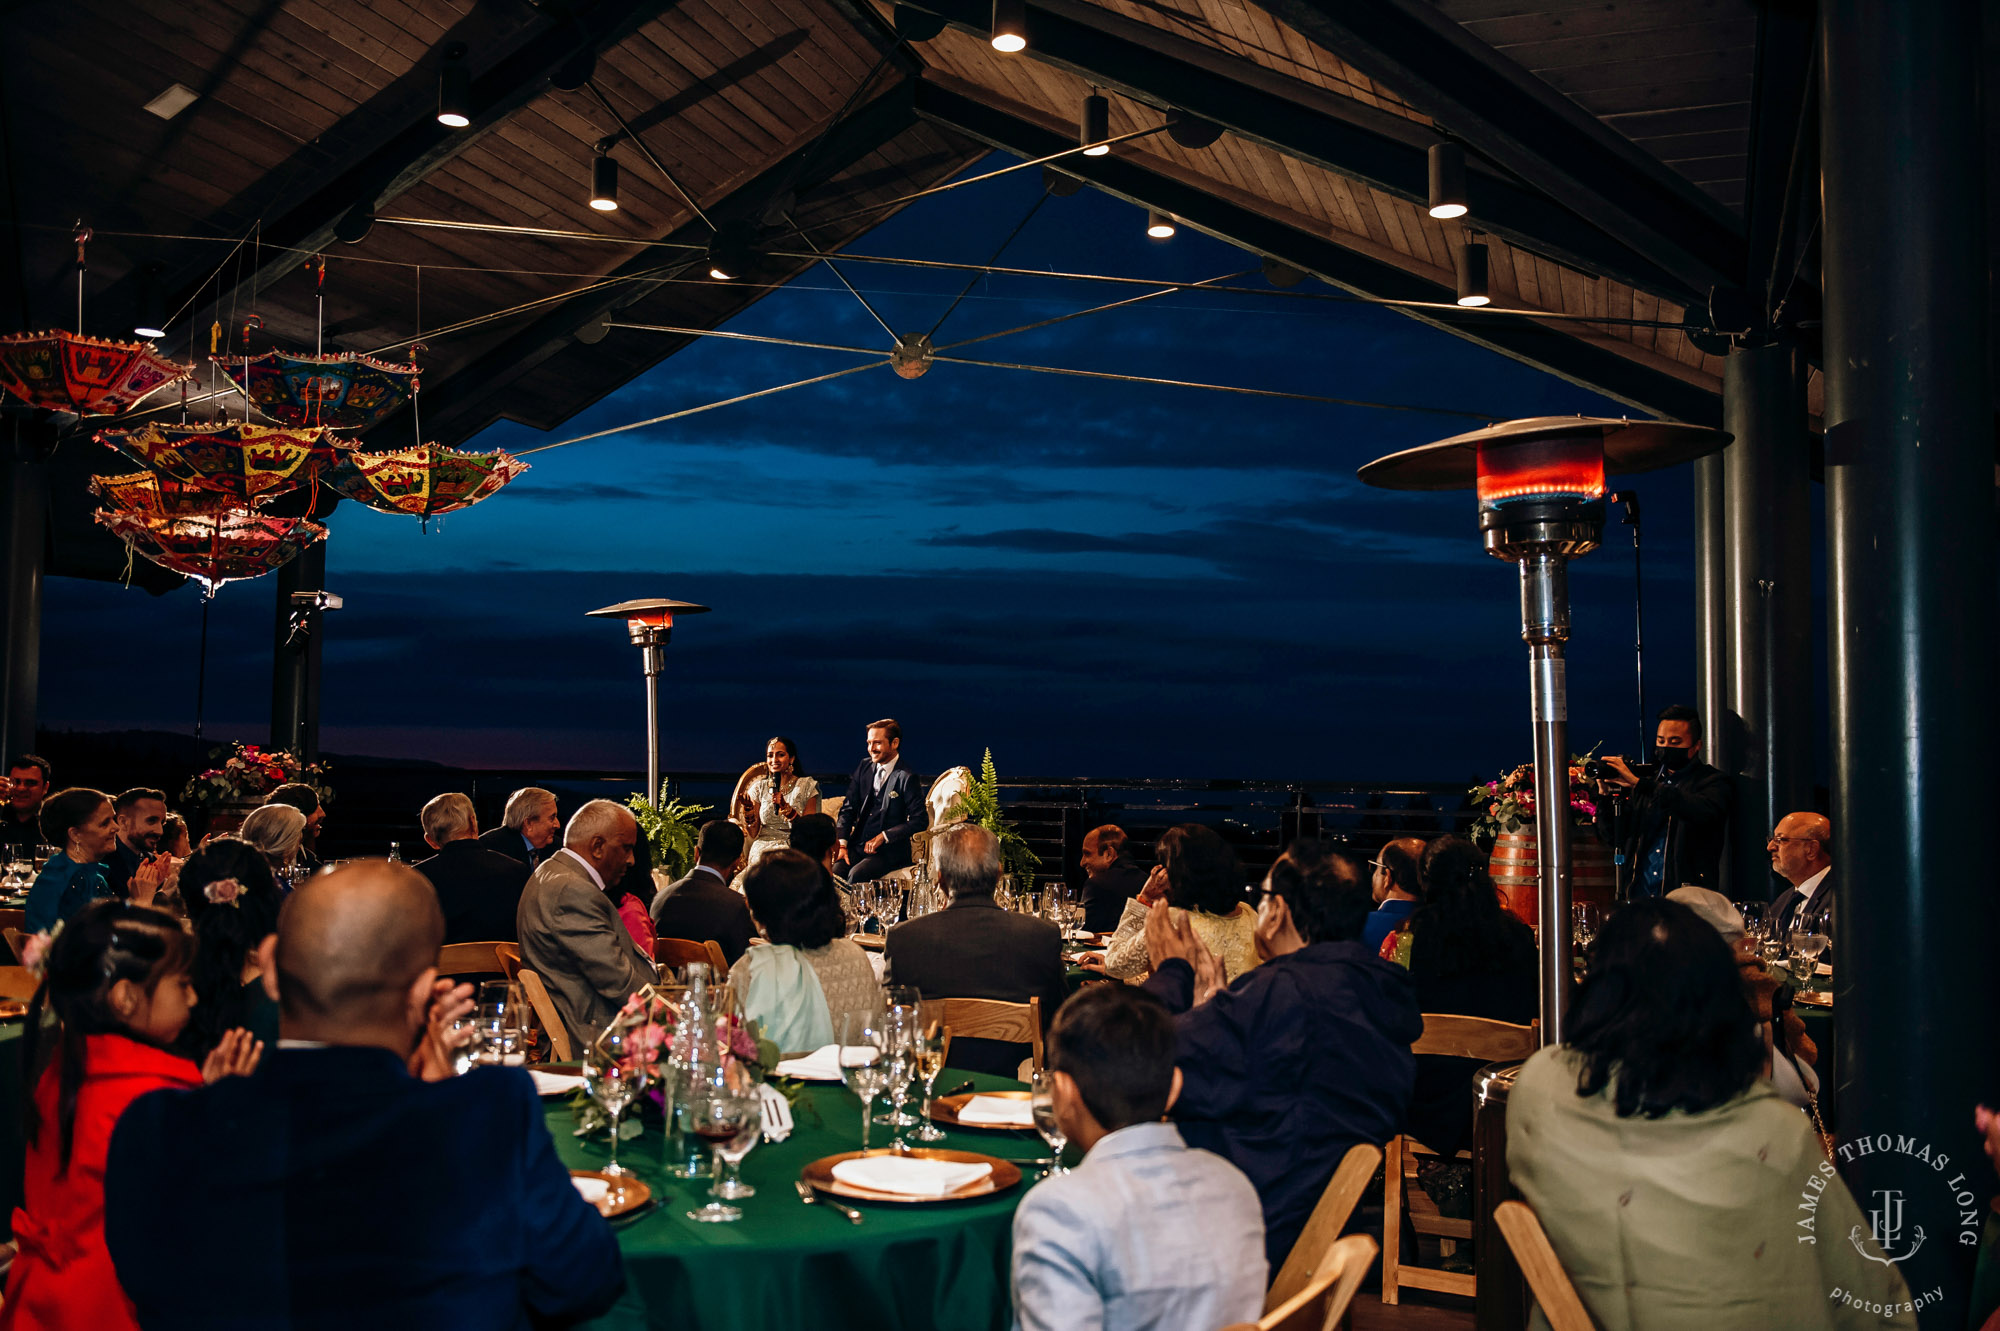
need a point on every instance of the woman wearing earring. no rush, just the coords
(772, 800)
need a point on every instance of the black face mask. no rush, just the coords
(1675, 759)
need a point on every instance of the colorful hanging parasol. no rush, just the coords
(214, 548)
(144, 494)
(241, 461)
(91, 376)
(343, 391)
(423, 480)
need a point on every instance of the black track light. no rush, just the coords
(150, 321)
(1060, 183)
(604, 182)
(1471, 264)
(1158, 225)
(1010, 25)
(1447, 193)
(455, 90)
(1096, 126)
(729, 253)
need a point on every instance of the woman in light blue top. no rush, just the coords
(81, 822)
(800, 983)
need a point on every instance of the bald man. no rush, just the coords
(569, 927)
(351, 1192)
(1801, 849)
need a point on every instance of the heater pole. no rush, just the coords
(1545, 628)
(655, 660)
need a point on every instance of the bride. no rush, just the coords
(770, 802)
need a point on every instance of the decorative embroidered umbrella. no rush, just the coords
(214, 548)
(144, 494)
(91, 376)
(423, 480)
(241, 461)
(343, 391)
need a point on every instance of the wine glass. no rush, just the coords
(1042, 1087)
(1811, 937)
(613, 1076)
(731, 1124)
(1583, 924)
(928, 1044)
(899, 1024)
(464, 1045)
(861, 1063)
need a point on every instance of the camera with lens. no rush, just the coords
(1596, 769)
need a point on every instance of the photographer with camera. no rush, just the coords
(1670, 831)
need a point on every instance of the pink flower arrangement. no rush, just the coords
(248, 773)
(1509, 802)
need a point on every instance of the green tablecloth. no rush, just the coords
(788, 1264)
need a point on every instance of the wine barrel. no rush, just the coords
(1515, 868)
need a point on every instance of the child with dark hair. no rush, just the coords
(116, 982)
(1146, 1232)
(232, 906)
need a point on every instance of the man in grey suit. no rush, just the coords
(570, 932)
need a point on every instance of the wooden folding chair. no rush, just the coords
(15, 938)
(470, 959)
(678, 952)
(1322, 1304)
(1452, 1037)
(17, 982)
(545, 1012)
(509, 957)
(1522, 1229)
(14, 918)
(992, 1019)
(1320, 1239)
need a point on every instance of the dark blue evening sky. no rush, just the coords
(1093, 578)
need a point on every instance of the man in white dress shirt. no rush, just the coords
(1801, 853)
(883, 809)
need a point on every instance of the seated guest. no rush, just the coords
(813, 836)
(1396, 887)
(1469, 957)
(809, 979)
(528, 827)
(773, 800)
(174, 838)
(569, 929)
(81, 824)
(1146, 1232)
(478, 889)
(700, 907)
(116, 983)
(28, 785)
(1197, 874)
(354, 1194)
(232, 908)
(1801, 849)
(634, 894)
(1666, 1170)
(279, 831)
(139, 815)
(1299, 1058)
(1114, 878)
(306, 800)
(1789, 1052)
(974, 949)
(884, 808)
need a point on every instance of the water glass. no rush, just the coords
(899, 1024)
(1042, 1087)
(613, 1076)
(465, 1045)
(862, 1067)
(730, 1124)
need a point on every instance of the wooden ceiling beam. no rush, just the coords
(1602, 371)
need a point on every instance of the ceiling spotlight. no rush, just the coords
(1447, 193)
(455, 90)
(1158, 225)
(604, 182)
(1010, 25)
(1060, 183)
(1096, 126)
(1471, 264)
(729, 253)
(151, 318)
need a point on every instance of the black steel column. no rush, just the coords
(1767, 487)
(1711, 618)
(23, 547)
(1910, 545)
(295, 656)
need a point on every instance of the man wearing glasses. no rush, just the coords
(1395, 888)
(1800, 854)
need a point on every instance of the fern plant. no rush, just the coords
(670, 830)
(980, 804)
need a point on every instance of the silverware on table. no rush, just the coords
(813, 1198)
(959, 1089)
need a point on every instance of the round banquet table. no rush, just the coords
(942, 1265)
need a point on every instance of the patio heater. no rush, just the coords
(1540, 484)
(650, 624)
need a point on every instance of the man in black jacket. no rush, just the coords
(529, 828)
(1673, 829)
(884, 808)
(702, 906)
(478, 889)
(1114, 878)
(974, 949)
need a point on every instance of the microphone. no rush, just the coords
(1629, 498)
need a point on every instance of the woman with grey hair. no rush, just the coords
(278, 830)
(1789, 1048)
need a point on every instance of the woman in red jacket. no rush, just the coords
(116, 979)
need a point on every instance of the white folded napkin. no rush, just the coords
(555, 1083)
(992, 1111)
(823, 1063)
(594, 1190)
(777, 1112)
(908, 1175)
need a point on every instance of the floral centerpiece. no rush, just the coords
(1509, 801)
(652, 1016)
(245, 774)
(981, 804)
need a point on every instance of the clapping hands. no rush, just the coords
(236, 1056)
(1168, 937)
(433, 1057)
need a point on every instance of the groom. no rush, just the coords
(882, 809)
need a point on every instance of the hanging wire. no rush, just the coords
(823, 258)
(1000, 249)
(1095, 309)
(711, 406)
(640, 144)
(1216, 388)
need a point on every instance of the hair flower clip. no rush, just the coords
(224, 892)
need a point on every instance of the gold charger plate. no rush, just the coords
(945, 1109)
(819, 1177)
(627, 1193)
(11, 1009)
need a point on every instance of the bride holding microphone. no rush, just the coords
(770, 802)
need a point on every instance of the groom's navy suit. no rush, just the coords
(896, 812)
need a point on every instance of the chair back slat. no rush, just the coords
(992, 1019)
(470, 959)
(545, 1012)
(1322, 1304)
(678, 952)
(14, 918)
(1522, 1229)
(509, 957)
(1318, 1241)
(17, 982)
(750, 773)
(1476, 1037)
(15, 938)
